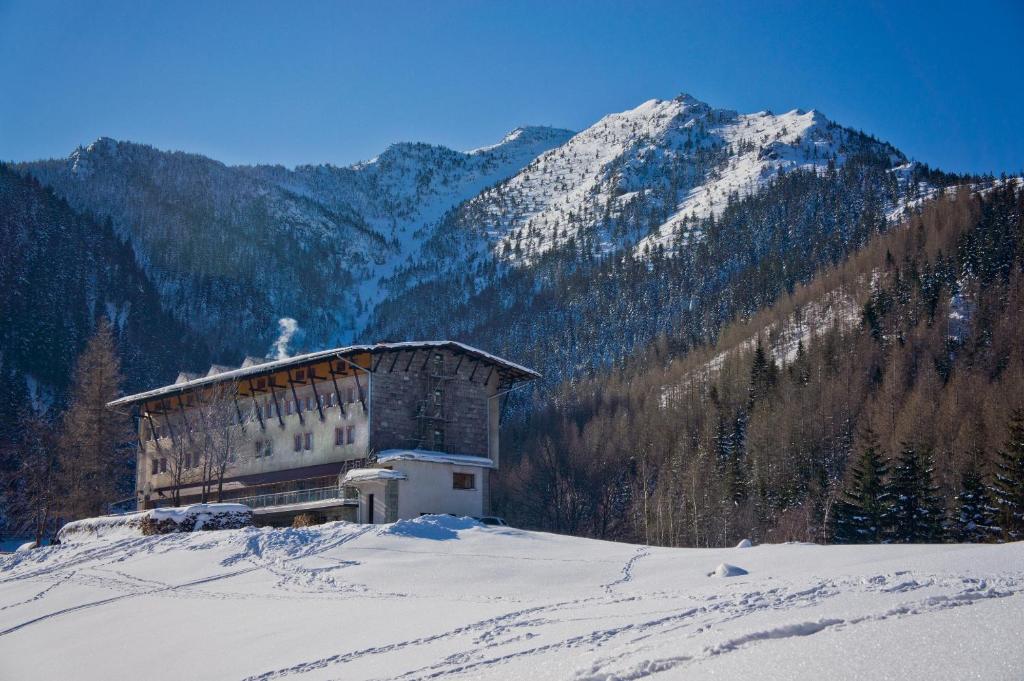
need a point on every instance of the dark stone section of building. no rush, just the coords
(427, 400)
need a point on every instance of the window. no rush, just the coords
(309, 404)
(287, 407)
(155, 468)
(309, 441)
(261, 384)
(351, 433)
(298, 442)
(264, 448)
(339, 437)
(300, 374)
(351, 395)
(163, 465)
(463, 481)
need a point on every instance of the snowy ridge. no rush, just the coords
(446, 597)
(655, 167)
(764, 144)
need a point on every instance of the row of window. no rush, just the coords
(191, 460)
(265, 448)
(267, 410)
(342, 436)
(308, 403)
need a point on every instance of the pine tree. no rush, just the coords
(974, 519)
(915, 515)
(1008, 487)
(860, 513)
(95, 459)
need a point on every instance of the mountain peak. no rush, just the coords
(689, 100)
(103, 145)
(529, 135)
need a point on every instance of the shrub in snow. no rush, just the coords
(726, 570)
(304, 520)
(744, 544)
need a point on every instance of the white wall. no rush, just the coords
(429, 489)
(284, 457)
(380, 509)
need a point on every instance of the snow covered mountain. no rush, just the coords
(653, 220)
(441, 597)
(232, 249)
(463, 238)
(642, 178)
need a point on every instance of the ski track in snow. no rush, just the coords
(573, 608)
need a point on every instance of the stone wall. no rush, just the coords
(396, 397)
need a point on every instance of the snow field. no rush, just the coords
(445, 597)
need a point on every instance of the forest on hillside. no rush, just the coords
(578, 309)
(918, 381)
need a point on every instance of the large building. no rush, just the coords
(367, 433)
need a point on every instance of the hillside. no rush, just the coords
(444, 597)
(913, 339)
(233, 249)
(62, 270)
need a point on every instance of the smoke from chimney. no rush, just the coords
(288, 327)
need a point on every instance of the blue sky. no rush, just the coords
(302, 82)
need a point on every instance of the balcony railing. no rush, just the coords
(298, 497)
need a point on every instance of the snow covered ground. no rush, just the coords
(445, 597)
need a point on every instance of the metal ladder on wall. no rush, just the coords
(430, 412)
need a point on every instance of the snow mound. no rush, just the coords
(27, 546)
(436, 527)
(727, 570)
(744, 544)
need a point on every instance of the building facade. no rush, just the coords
(282, 436)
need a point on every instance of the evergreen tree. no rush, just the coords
(915, 515)
(860, 514)
(1008, 487)
(95, 459)
(974, 519)
(762, 375)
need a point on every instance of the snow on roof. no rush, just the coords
(518, 371)
(219, 369)
(365, 474)
(433, 457)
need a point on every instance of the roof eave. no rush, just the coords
(520, 373)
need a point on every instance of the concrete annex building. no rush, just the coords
(367, 433)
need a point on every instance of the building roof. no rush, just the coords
(510, 370)
(367, 474)
(433, 457)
